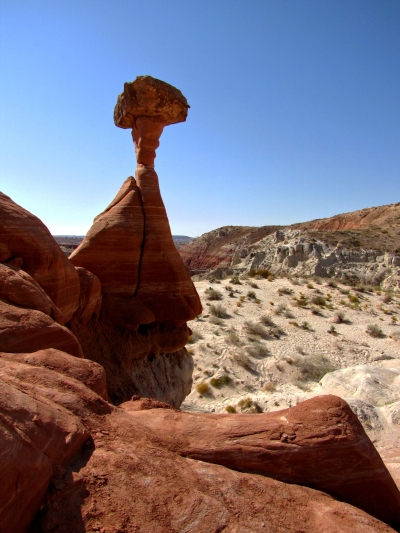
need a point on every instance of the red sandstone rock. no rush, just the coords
(384, 216)
(130, 246)
(165, 286)
(90, 296)
(36, 435)
(91, 374)
(48, 413)
(317, 443)
(112, 246)
(18, 287)
(144, 473)
(26, 242)
(150, 97)
(28, 330)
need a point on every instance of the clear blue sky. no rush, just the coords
(295, 107)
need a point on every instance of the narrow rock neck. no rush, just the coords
(146, 133)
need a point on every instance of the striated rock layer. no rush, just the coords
(298, 252)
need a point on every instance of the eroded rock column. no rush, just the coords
(148, 295)
(146, 106)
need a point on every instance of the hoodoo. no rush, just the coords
(130, 246)
(148, 295)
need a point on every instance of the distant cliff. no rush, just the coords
(359, 247)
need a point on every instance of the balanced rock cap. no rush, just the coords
(150, 97)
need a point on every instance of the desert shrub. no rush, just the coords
(306, 326)
(228, 288)
(253, 285)
(219, 311)
(235, 280)
(332, 283)
(374, 331)
(310, 285)
(280, 309)
(394, 320)
(257, 349)
(276, 332)
(212, 294)
(387, 298)
(252, 295)
(232, 338)
(221, 381)
(314, 367)
(285, 290)
(266, 320)
(269, 386)
(288, 313)
(216, 320)
(243, 359)
(302, 301)
(249, 405)
(318, 300)
(230, 409)
(339, 317)
(257, 330)
(332, 330)
(203, 387)
(316, 311)
(353, 299)
(194, 337)
(260, 273)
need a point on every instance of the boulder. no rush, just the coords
(150, 97)
(19, 288)
(144, 474)
(28, 330)
(25, 242)
(317, 443)
(371, 384)
(38, 433)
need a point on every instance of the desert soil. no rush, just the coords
(242, 365)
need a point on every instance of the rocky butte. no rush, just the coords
(93, 369)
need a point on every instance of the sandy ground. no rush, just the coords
(242, 365)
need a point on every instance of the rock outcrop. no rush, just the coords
(96, 459)
(288, 251)
(26, 243)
